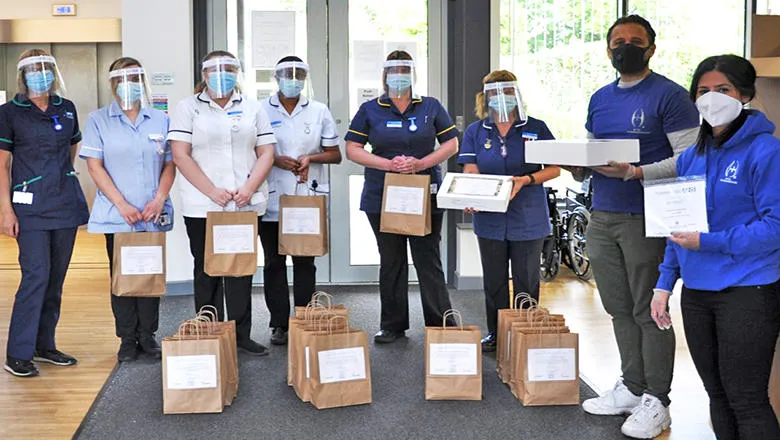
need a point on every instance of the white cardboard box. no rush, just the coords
(483, 192)
(582, 152)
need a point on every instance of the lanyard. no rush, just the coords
(24, 184)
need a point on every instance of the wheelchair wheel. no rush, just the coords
(550, 260)
(576, 243)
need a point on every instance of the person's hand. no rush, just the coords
(129, 213)
(518, 182)
(286, 163)
(243, 196)
(413, 165)
(659, 309)
(617, 170)
(303, 168)
(688, 240)
(9, 225)
(220, 196)
(578, 173)
(470, 168)
(398, 164)
(470, 210)
(153, 209)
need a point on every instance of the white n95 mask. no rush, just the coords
(718, 109)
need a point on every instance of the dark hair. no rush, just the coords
(742, 75)
(213, 54)
(289, 58)
(633, 19)
(394, 55)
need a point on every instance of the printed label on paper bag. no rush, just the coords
(308, 370)
(455, 359)
(234, 239)
(191, 372)
(551, 364)
(301, 221)
(142, 260)
(404, 200)
(342, 365)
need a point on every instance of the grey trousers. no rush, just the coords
(625, 266)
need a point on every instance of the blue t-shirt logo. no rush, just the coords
(730, 174)
(638, 122)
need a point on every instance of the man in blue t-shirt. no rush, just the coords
(640, 105)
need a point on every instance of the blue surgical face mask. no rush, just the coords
(509, 103)
(222, 83)
(290, 88)
(39, 82)
(130, 91)
(398, 82)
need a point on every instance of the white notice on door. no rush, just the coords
(191, 372)
(234, 239)
(551, 364)
(342, 365)
(273, 37)
(301, 221)
(404, 200)
(142, 260)
(452, 359)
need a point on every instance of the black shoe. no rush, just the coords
(279, 336)
(252, 348)
(149, 345)
(55, 357)
(128, 350)
(489, 343)
(387, 336)
(20, 368)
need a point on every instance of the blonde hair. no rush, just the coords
(480, 104)
(394, 55)
(201, 86)
(20, 82)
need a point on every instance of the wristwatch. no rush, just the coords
(533, 180)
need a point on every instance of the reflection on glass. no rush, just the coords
(362, 244)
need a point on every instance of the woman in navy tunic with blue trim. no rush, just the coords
(496, 145)
(402, 129)
(42, 208)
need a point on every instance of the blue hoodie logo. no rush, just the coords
(730, 174)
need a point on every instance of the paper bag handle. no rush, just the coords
(315, 298)
(524, 298)
(333, 318)
(455, 314)
(182, 331)
(208, 311)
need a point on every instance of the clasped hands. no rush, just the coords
(406, 165)
(299, 167)
(222, 196)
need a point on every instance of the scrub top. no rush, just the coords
(392, 133)
(40, 143)
(223, 145)
(309, 128)
(133, 155)
(527, 216)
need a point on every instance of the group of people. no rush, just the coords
(236, 153)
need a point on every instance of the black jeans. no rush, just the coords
(394, 275)
(731, 335)
(277, 294)
(496, 255)
(214, 291)
(134, 317)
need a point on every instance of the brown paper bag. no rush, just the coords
(507, 317)
(340, 369)
(307, 238)
(302, 315)
(236, 238)
(453, 363)
(302, 353)
(191, 369)
(514, 373)
(206, 323)
(549, 365)
(409, 210)
(143, 275)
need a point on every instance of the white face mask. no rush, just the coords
(718, 109)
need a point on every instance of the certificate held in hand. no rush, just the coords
(675, 205)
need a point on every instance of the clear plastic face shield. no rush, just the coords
(131, 88)
(222, 75)
(41, 76)
(293, 79)
(399, 77)
(504, 102)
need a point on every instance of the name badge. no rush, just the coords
(23, 198)
(395, 124)
(530, 136)
(275, 124)
(156, 137)
(434, 188)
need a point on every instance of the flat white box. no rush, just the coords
(483, 192)
(582, 152)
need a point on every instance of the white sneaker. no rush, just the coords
(617, 401)
(648, 420)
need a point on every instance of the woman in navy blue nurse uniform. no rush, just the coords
(42, 208)
(131, 163)
(402, 129)
(496, 145)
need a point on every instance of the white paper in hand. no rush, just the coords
(191, 372)
(301, 221)
(452, 359)
(675, 205)
(404, 200)
(551, 364)
(142, 260)
(342, 364)
(234, 239)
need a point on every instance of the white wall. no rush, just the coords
(41, 9)
(159, 34)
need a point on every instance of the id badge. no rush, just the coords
(23, 198)
(164, 220)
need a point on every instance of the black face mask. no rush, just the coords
(629, 59)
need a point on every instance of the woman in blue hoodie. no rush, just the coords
(730, 305)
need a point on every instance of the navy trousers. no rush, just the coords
(44, 257)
